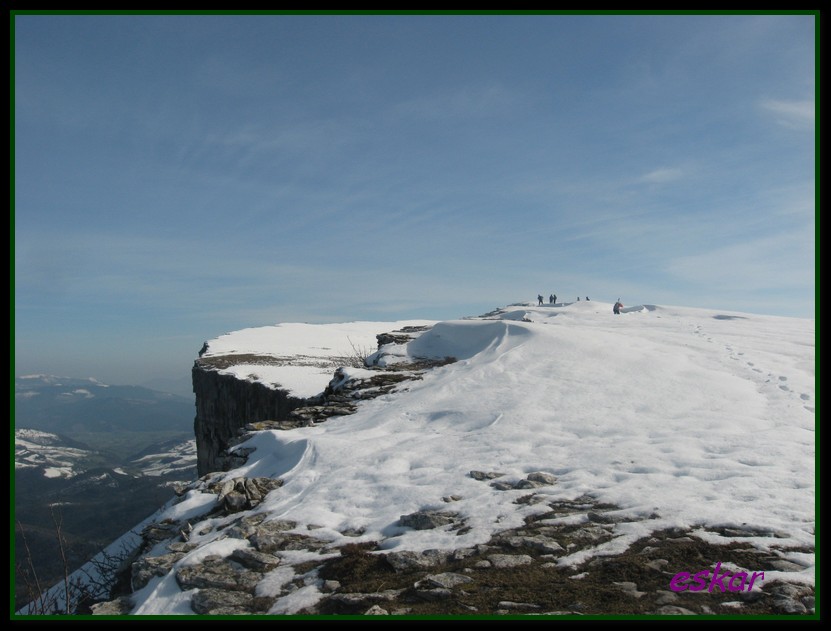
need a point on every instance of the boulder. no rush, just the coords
(215, 602)
(428, 520)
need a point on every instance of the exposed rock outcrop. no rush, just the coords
(224, 405)
(516, 572)
(227, 407)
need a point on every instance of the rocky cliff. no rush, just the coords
(225, 405)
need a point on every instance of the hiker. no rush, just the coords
(552, 299)
(539, 298)
(578, 298)
(618, 307)
(587, 297)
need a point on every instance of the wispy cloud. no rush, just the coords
(765, 264)
(791, 114)
(660, 176)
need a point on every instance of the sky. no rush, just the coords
(177, 177)
(679, 417)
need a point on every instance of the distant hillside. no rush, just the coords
(50, 455)
(95, 459)
(183, 386)
(88, 496)
(74, 406)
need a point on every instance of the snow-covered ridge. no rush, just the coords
(27, 386)
(679, 417)
(666, 407)
(177, 458)
(296, 357)
(54, 380)
(36, 449)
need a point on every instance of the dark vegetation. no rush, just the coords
(95, 508)
(598, 587)
(115, 424)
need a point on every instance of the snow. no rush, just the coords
(193, 505)
(44, 379)
(179, 459)
(302, 381)
(304, 355)
(681, 417)
(296, 601)
(274, 580)
(27, 435)
(34, 448)
(162, 596)
(221, 548)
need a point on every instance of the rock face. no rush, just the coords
(227, 407)
(224, 406)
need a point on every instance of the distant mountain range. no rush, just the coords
(183, 386)
(70, 406)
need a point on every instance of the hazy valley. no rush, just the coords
(91, 461)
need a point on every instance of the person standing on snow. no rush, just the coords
(539, 299)
(552, 299)
(618, 307)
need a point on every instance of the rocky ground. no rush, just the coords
(515, 573)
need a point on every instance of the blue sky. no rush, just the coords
(178, 177)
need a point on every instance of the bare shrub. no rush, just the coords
(357, 358)
(77, 591)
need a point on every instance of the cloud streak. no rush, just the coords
(661, 176)
(767, 264)
(791, 114)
